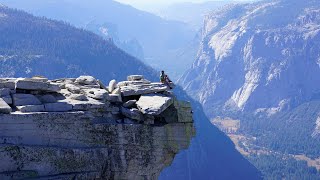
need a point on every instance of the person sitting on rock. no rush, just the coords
(162, 77)
(165, 79)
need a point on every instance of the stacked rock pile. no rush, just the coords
(136, 100)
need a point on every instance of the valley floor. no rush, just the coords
(271, 163)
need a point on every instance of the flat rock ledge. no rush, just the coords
(135, 100)
(79, 128)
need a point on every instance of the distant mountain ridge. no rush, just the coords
(160, 39)
(39, 46)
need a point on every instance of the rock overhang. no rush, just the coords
(136, 98)
(88, 127)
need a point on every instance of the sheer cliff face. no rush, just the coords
(67, 145)
(261, 57)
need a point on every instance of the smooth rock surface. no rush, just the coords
(112, 85)
(143, 89)
(135, 77)
(31, 108)
(89, 104)
(79, 97)
(99, 94)
(154, 104)
(25, 99)
(4, 107)
(86, 80)
(47, 98)
(129, 83)
(58, 107)
(73, 88)
(31, 84)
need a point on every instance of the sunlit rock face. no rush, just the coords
(78, 128)
(260, 57)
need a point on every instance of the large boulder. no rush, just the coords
(34, 84)
(4, 107)
(98, 94)
(135, 90)
(25, 99)
(86, 80)
(73, 88)
(135, 77)
(154, 104)
(112, 85)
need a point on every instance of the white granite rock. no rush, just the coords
(4, 107)
(135, 77)
(116, 91)
(89, 104)
(79, 97)
(31, 108)
(129, 83)
(86, 80)
(58, 107)
(143, 89)
(154, 104)
(39, 79)
(99, 94)
(25, 99)
(32, 84)
(73, 88)
(112, 85)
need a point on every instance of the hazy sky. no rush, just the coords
(155, 5)
(152, 4)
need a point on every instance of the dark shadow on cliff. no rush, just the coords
(211, 155)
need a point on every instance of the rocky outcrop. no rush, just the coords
(75, 128)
